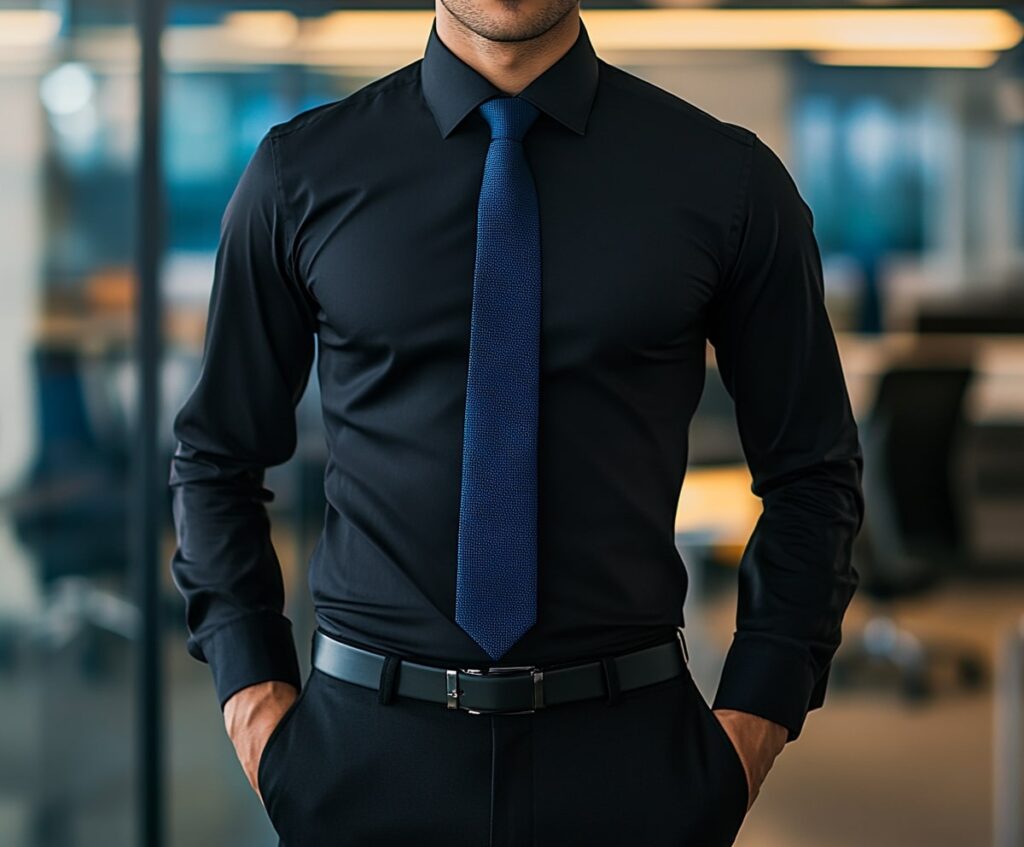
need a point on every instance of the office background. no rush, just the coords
(903, 126)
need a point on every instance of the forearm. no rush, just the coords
(796, 580)
(226, 568)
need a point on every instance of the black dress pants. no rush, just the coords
(650, 767)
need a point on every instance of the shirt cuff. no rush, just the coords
(255, 648)
(766, 677)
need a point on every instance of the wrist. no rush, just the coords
(243, 707)
(770, 734)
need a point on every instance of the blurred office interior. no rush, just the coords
(903, 126)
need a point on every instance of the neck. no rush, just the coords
(508, 65)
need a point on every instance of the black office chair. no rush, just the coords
(913, 534)
(71, 513)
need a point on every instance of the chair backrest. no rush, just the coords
(80, 416)
(72, 508)
(913, 527)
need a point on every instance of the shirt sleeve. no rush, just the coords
(777, 357)
(238, 420)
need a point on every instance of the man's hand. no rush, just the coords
(757, 740)
(250, 715)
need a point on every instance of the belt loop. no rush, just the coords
(682, 644)
(611, 679)
(388, 679)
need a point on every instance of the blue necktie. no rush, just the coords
(496, 585)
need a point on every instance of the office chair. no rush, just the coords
(72, 514)
(913, 535)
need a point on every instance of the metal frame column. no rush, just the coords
(151, 479)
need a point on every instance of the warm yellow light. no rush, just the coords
(360, 31)
(908, 58)
(715, 29)
(28, 27)
(272, 29)
(370, 40)
(804, 29)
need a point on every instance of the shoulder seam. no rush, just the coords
(292, 269)
(285, 214)
(741, 202)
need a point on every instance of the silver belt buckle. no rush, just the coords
(453, 690)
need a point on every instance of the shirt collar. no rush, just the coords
(453, 89)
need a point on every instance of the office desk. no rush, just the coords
(717, 508)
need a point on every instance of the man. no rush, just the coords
(513, 255)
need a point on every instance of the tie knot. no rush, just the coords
(508, 117)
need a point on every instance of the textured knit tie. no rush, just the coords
(496, 588)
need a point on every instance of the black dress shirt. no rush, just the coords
(349, 242)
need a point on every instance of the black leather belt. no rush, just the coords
(508, 689)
